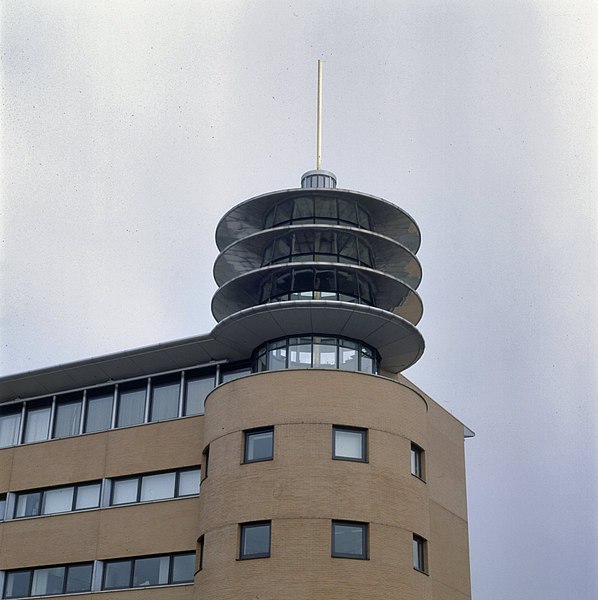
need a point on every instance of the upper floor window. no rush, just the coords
(419, 554)
(48, 581)
(148, 571)
(318, 209)
(417, 461)
(349, 443)
(316, 352)
(255, 540)
(349, 539)
(10, 423)
(57, 500)
(259, 445)
(2, 506)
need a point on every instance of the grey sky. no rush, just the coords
(129, 128)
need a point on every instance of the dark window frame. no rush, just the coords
(365, 533)
(31, 571)
(420, 554)
(417, 465)
(243, 528)
(247, 434)
(364, 443)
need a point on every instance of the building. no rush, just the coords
(324, 472)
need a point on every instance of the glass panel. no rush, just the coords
(195, 395)
(151, 571)
(258, 445)
(348, 356)
(283, 211)
(157, 487)
(17, 584)
(303, 210)
(99, 413)
(47, 581)
(326, 208)
(189, 482)
(348, 540)
(2, 507)
(124, 491)
(303, 245)
(282, 249)
(367, 361)
(324, 353)
(78, 578)
(183, 567)
(165, 401)
(37, 424)
(28, 505)
(346, 211)
(88, 496)
(300, 353)
(277, 355)
(235, 374)
(67, 419)
(364, 218)
(418, 555)
(348, 444)
(131, 407)
(281, 284)
(262, 362)
(117, 574)
(55, 501)
(9, 429)
(255, 540)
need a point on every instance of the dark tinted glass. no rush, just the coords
(151, 571)
(349, 540)
(17, 584)
(28, 505)
(183, 567)
(79, 578)
(255, 540)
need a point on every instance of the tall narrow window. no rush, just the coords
(255, 540)
(37, 423)
(99, 411)
(259, 445)
(9, 429)
(67, 418)
(206, 461)
(417, 461)
(2, 507)
(349, 539)
(349, 443)
(131, 407)
(419, 554)
(196, 390)
(165, 399)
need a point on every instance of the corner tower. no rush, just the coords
(320, 266)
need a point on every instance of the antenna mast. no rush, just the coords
(319, 120)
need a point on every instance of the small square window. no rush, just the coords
(255, 540)
(419, 554)
(259, 445)
(349, 443)
(417, 461)
(349, 539)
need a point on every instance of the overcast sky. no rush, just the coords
(129, 128)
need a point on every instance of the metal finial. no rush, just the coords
(319, 121)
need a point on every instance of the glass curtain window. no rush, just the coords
(157, 487)
(189, 482)
(183, 567)
(28, 505)
(37, 424)
(124, 491)
(78, 578)
(300, 353)
(348, 357)
(196, 390)
(324, 353)
(235, 374)
(48, 581)
(58, 500)
(9, 429)
(151, 571)
(99, 413)
(67, 419)
(165, 401)
(88, 496)
(131, 407)
(17, 584)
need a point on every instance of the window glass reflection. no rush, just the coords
(99, 412)
(131, 407)
(9, 429)
(67, 418)
(196, 390)
(165, 401)
(37, 424)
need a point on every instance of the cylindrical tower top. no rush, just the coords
(318, 179)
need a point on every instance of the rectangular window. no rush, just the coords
(417, 461)
(2, 506)
(349, 443)
(165, 400)
(67, 418)
(259, 445)
(231, 374)
(99, 411)
(419, 553)
(37, 424)
(157, 487)
(88, 496)
(206, 461)
(349, 539)
(196, 390)
(149, 571)
(255, 540)
(125, 491)
(9, 429)
(131, 406)
(28, 505)
(188, 483)
(48, 581)
(57, 500)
